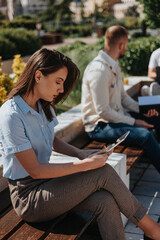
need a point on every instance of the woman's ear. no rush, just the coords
(38, 76)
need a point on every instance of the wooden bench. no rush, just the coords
(66, 227)
(52, 38)
(133, 154)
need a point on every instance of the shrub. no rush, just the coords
(131, 22)
(135, 61)
(18, 41)
(77, 30)
(6, 84)
(139, 34)
(7, 48)
(81, 54)
(138, 54)
(17, 67)
(29, 24)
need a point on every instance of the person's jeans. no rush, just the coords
(138, 137)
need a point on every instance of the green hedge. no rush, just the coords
(81, 54)
(81, 31)
(18, 41)
(138, 54)
(135, 61)
(19, 23)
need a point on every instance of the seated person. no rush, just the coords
(154, 73)
(40, 190)
(107, 110)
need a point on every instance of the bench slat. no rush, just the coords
(52, 236)
(9, 223)
(133, 155)
(95, 144)
(119, 149)
(27, 232)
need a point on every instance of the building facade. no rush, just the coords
(120, 9)
(13, 8)
(3, 7)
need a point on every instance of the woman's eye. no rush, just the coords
(58, 83)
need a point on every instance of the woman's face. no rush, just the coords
(49, 87)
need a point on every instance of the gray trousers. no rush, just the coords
(100, 190)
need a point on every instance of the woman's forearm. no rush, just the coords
(65, 148)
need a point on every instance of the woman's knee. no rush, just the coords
(103, 201)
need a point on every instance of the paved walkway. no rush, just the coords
(145, 184)
(87, 40)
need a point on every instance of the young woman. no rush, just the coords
(40, 190)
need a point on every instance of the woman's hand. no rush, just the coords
(96, 161)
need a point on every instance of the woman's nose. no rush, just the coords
(61, 90)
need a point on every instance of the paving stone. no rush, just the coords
(152, 175)
(147, 188)
(155, 208)
(136, 173)
(132, 228)
(130, 236)
(132, 184)
(0, 161)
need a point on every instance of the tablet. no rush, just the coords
(118, 141)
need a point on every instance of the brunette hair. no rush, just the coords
(46, 61)
(114, 33)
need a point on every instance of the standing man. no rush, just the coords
(154, 73)
(107, 110)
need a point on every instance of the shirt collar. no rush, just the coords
(107, 59)
(25, 108)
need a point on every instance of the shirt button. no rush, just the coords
(42, 125)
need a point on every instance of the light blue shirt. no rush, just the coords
(22, 128)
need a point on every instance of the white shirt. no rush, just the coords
(154, 59)
(103, 95)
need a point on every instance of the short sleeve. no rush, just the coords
(153, 60)
(13, 134)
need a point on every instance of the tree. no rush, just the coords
(2, 16)
(82, 10)
(57, 11)
(152, 12)
(132, 11)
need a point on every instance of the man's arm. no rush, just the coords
(152, 73)
(100, 89)
(128, 102)
(152, 65)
